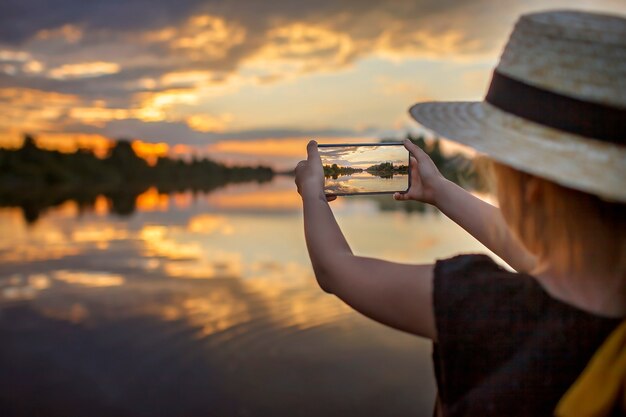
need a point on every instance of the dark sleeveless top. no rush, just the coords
(504, 346)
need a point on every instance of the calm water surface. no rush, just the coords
(205, 305)
(366, 182)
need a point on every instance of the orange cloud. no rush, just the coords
(208, 123)
(19, 95)
(293, 147)
(264, 147)
(300, 48)
(150, 151)
(30, 110)
(100, 145)
(70, 33)
(71, 142)
(200, 37)
(84, 70)
(155, 106)
(185, 77)
(33, 67)
(98, 116)
(207, 36)
(9, 55)
(398, 45)
(89, 279)
(181, 149)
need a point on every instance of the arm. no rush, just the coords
(486, 224)
(394, 294)
(477, 217)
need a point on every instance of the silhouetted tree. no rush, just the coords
(35, 178)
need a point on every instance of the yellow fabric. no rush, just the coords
(601, 388)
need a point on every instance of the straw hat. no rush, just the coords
(556, 106)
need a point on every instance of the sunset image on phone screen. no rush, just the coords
(365, 169)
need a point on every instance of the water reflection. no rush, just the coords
(204, 304)
(366, 182)
(102, 199)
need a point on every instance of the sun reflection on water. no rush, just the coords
(226, 265)
(192, 285)
(18, 287)
(152, 200)
(209, 223)
(158, 244)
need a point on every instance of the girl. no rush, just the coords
(553, 124)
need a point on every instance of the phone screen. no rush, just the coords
(351, 169)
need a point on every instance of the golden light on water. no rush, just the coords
(158, 244)
(280, 199)
(152, 200)
(223, 277)
(209, 224)
(97, 234)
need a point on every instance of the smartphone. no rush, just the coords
(365, 168)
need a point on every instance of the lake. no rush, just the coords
(205, 305)
(365, 182)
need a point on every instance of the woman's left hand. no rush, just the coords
(310, 174)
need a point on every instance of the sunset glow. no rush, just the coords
(244, 84)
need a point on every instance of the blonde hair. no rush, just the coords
(569, 227)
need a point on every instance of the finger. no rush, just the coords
(415, 150)
(298, 170)
(330, 198)
(410, 146)
(312, 152)
(401, 196)
(300, 165)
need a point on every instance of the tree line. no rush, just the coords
(335, 171)
(387, 169)
(35, 178)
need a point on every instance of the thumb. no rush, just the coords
(313, 154)
(401, 196)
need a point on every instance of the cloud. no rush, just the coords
(195, 43)
(171, 132)
(24, 106)
(160, 68)
(21, 19)
(208, 123)
(84, 70)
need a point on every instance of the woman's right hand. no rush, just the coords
(426, 180)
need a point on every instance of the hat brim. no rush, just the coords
(573, 161)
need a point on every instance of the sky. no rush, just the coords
(363, 156)
(245, 81)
